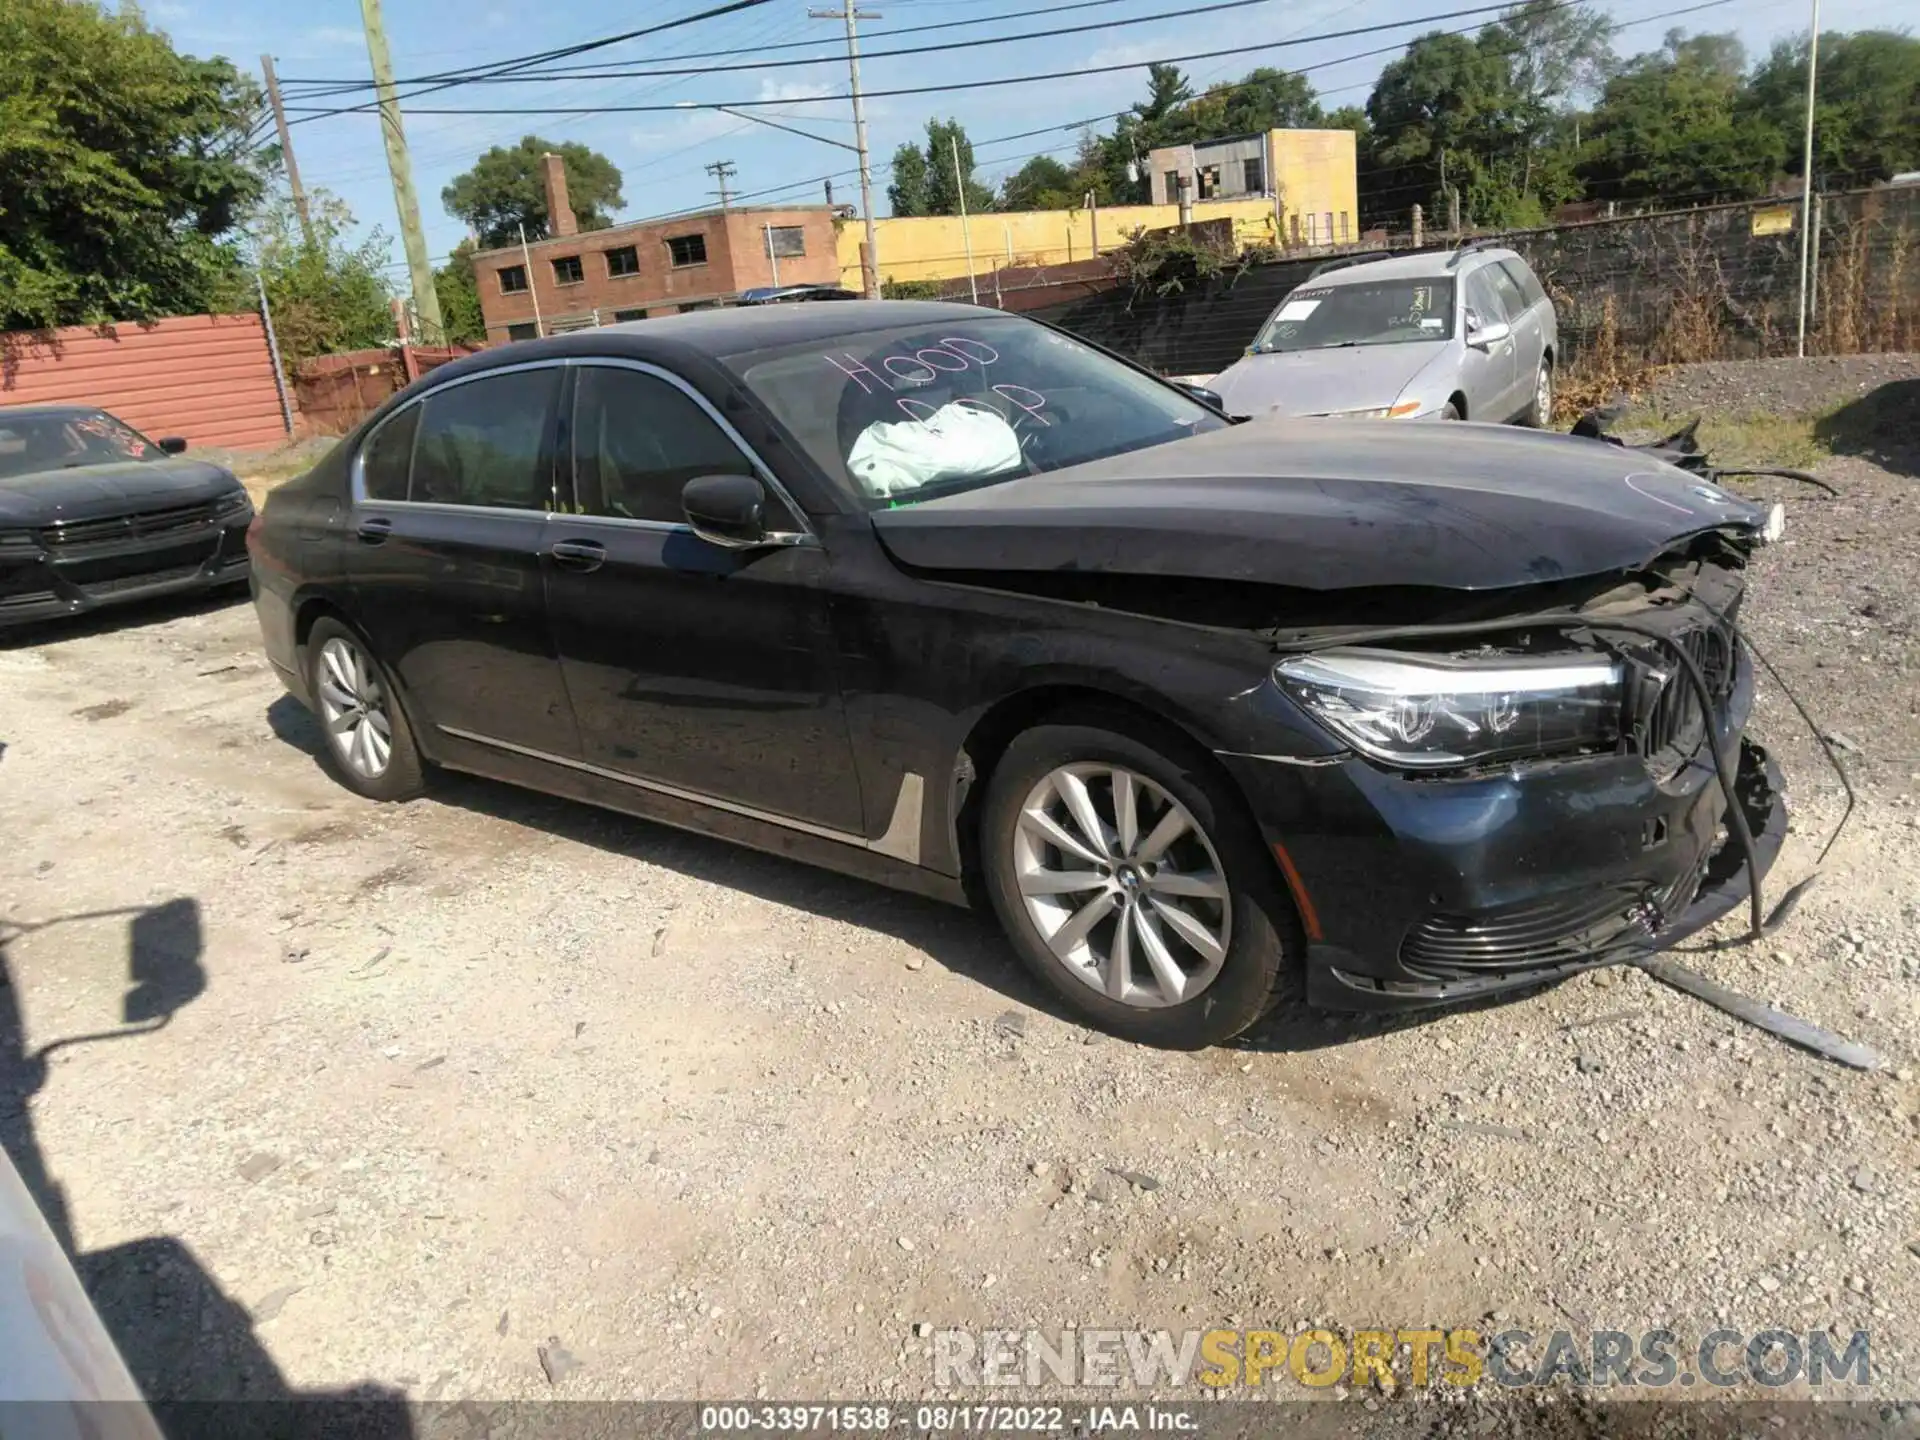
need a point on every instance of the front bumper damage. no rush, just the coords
(1420, 891)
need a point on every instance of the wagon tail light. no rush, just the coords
(1431, 712)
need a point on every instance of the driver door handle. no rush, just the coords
(582, 555)
(374, 530)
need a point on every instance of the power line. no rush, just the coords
(343, 85)
(454, 78)
(948, 86)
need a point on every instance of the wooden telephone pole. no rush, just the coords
(870, 261)
(426, 301)
(286, 149)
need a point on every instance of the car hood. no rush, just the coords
(95, 492)
(1319, 382)
(1329, 505)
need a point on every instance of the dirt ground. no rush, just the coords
(329, 1094)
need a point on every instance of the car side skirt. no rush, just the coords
(889, 859)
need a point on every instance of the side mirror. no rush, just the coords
(1488, 336)
(172, 445)
(1209, 398)
(727, 510)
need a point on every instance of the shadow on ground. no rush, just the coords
(966, 942)
(133, 615)
(1882, 426)
(189, 1346)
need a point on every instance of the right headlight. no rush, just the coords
(1433, 711)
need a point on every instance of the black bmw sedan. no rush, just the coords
(1215, 716)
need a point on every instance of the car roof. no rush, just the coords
(47, 407)
(760, 327)
(1427, 264)
(714, 334)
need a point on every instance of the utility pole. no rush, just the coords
(533, 293)
(286, 149)
(723, 171)
(966, 230)
(426, 301)
(1806, 172)
(850, 14)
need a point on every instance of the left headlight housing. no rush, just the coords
(1431, 712)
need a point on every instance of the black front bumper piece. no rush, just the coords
(1419, 893)
(72, 570)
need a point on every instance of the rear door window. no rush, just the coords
(485, 442)
(1528, 282)
(388, 456)
(1512, 301)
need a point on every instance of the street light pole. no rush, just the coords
(1806, 173)
(850, 14)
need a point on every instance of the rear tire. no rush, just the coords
(1211, 941)
(366, 742)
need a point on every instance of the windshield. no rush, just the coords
(904, 414)
(33, 443)
(1372, 312)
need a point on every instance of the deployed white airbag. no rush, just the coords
(958, 441)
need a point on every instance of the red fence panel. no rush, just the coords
(208, 378)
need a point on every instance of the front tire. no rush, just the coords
(366, 741)
(1539, 413)
(1130, 881)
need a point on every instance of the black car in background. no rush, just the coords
(92, 512)
(954, 601)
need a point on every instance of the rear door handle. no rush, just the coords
(374, 530)
(578, 554)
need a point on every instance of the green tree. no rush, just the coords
(123, 167)
(923, 179)
(907, 195)
(1867, 110)
(327, 293)
(1446, 115)
(506, 189)
(1167, 91)
(1263, 99)
(1671, 128)
(1043, 183)
(459, 292)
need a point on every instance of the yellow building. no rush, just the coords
(1285, 188)
(1310, 177)
(934, 247)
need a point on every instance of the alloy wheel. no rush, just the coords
(1122, 884)
(1543, 397)
(353, 706)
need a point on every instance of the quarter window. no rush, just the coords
(637, 441)
(485, 442)
(685, 250)
(389, 453)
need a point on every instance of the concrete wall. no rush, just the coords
(208, 378)
(736, 260)
(933, 247)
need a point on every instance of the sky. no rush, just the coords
(662, 154)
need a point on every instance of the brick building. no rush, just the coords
(648, 267)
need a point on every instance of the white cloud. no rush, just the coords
(793, 90)
(169, 10)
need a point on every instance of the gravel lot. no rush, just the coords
(410, 1093)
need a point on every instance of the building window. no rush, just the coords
(624, 261)
(620, 317)
(786, 241)
(1209, 182)
(567, 270)
(1256, 176)
(693, 305)
(513, 279)
(528, 331)
(684, 250)
(1172, 181)
(1343, 226)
